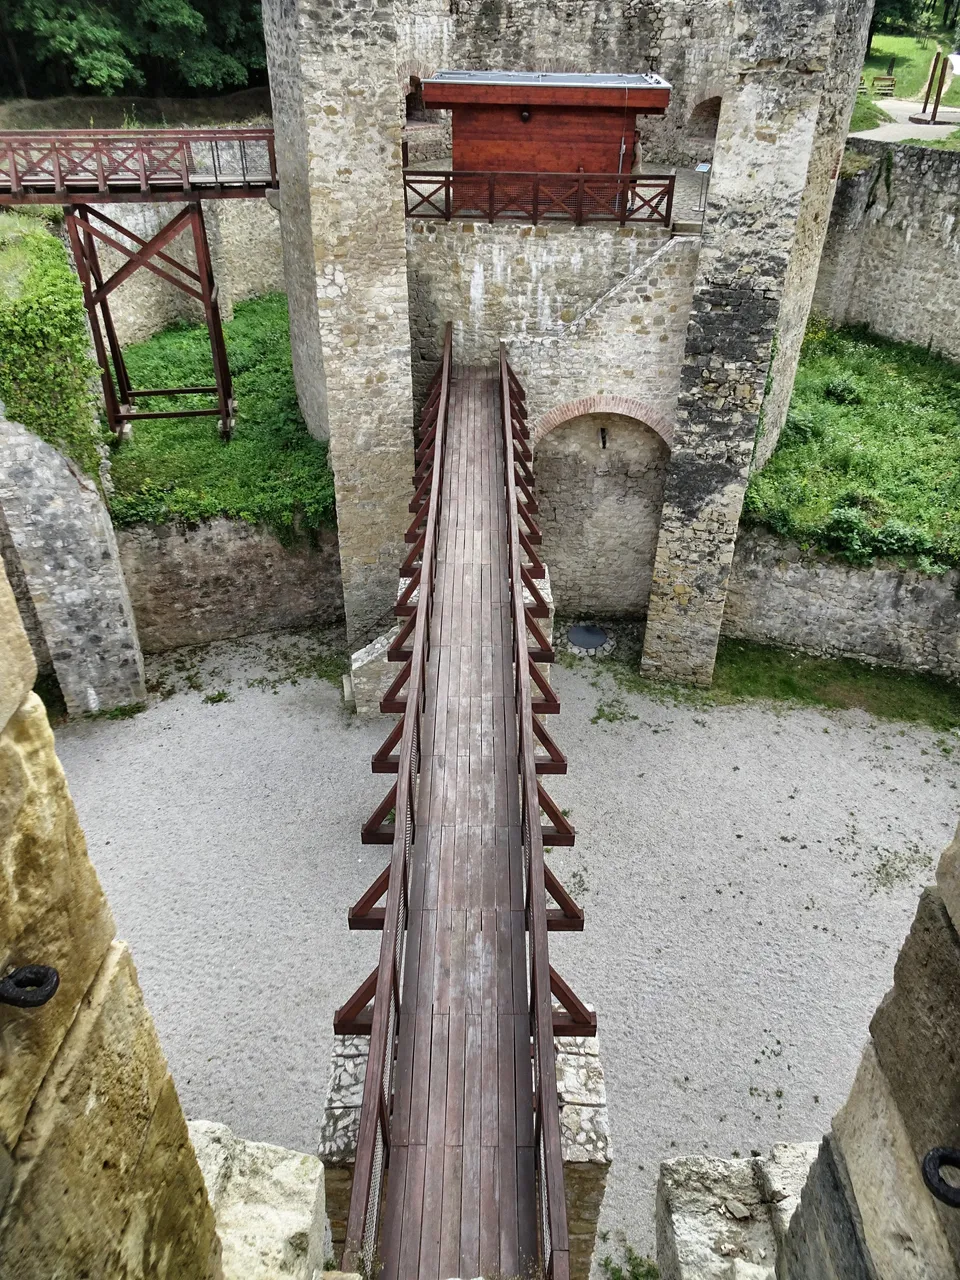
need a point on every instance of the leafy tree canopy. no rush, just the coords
(158, 47)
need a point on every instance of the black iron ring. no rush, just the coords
(933, 1162)
(30, 986)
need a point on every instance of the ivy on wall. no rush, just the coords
(45, 366)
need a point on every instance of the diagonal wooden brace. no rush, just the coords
(561, 833)
(410, 564)
(541, 651)
(391, 703)
(577, 1020)
(354, 1018)
(570, 915)
(539, 608)
(556, 761)
(374, 830)
(401, 648)
(547, 703)
(383, 759)
(536, 564)
(406, 605)
(364, 914)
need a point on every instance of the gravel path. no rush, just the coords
(748, 874)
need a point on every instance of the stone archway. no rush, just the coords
(704, 119)
(600, 472)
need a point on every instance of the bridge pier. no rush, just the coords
(337, 115)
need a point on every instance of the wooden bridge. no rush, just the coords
(459, 1167)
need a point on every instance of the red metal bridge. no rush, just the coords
(459, 1166)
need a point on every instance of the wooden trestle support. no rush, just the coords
(550, 1007)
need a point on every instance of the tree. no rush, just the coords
(156, 46)
(898, 13)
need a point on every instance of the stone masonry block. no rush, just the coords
(52, 910)
(916, 1031)
(170, 1233)
(781, 1176)
(900, 1223)
(268, 1202)
(710, 1216)
(948, 879)
(18, 668)
(76, 1181)
(825, 1239)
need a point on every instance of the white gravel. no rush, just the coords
(748, 874)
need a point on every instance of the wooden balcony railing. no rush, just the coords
(539, 197)
(76, 166)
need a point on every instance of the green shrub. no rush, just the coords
(272, 471)
(45, 367)
(868, 463)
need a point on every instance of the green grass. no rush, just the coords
(868, 465)
(950, 143)
(867, 114)
(272, 471)
(746, 671)
(912, 67)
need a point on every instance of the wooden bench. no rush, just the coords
(884, 86)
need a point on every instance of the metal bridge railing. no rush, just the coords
(416, 602)
(554, 1239)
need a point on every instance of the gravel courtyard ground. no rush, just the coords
(748, 874)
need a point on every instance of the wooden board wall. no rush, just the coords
(553, 140)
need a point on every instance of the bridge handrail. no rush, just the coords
(373, 1142)
(547, 1143)
(625, 198)
(48, 165)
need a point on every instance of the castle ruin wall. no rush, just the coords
(892, 253)
(782, 595)
(338, 111)
(766, 133)
(190, 584)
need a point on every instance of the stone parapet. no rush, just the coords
(97, 1174)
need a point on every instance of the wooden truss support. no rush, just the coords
(85, 226)
(576, 1019)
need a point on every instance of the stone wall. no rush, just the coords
(499, 280)
(190, 584)
(97, 1174)
(843, 74)
(63, 550)
(244, 238)
(600, 489)
(781, 595)
(626, 347)
(892, 255)
(767, 130)
(338, 105)
(865, 1210)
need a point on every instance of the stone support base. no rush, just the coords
(584, 1131)
(268, 1204)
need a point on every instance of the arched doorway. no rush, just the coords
(704, 120)
(600, 479)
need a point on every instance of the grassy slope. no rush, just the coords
(868, 114)
(869, 461)
(950, 143)
(271, 471)
(912, 67)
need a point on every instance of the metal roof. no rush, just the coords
(571, 79)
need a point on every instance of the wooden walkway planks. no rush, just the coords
(460, 1197)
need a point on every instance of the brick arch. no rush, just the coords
(624, 405)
